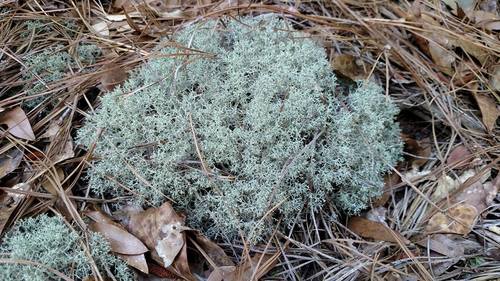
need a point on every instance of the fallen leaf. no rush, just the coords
(253, 268)
(495, 78)
(443, 244)
(120, 240)
(113, 76)
(212, 250)
(10, 160)
(476, 50)
(9, 202)
(489, 110)
(101, 28)
(486, 20)
(442, 56)
(374, 230)
(67, 151)
(462, 218)
(390, 181)
(136, 261)
(459, 157)
(161, 230)
(421, 149)
(126, 245)
(347, 65)
(480, 195)
(51, 184)
(17, 123)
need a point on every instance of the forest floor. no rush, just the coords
(439, 216)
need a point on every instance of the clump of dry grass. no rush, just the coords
(397, 44)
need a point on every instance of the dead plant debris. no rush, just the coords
(438, 218)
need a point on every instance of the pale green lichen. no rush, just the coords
(54, 64)
(260, 103)
(48, 241)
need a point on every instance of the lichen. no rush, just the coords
(248, 121)
(51, 65)
(49, 242)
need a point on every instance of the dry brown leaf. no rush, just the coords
(348, 66)
(495, 78)
(390, 181)
(442, 56)
(126, 245)
(66, 153)
(9, 202)
(213, 251)
(489, 110)
(10, 160)
(113, 76)
(101, 28)
(479, 52)
(479, 195)
(459, 157)
(374, 230)
(161, 230)
(463, 218)
(486, 20)
(136, 261)
(50, 184)
(120, 240)
(250, 269)
(17, 123)
(422, 150)
(443, 244)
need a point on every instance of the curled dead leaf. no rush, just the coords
(113, 76)
(459, 157)
(161, 230)
(480, 195)
(10, 160)
(124, 244)
(442, 56)
(121, 241)
(17, 123)
(495, 78)
(253, 268)
(443, 244)
(212, 250)
(374, 230)
(9, 202)
(489, 110)
(421, 149)
(348, 66)
(462, 218)
(136, 261)
(101, 28)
